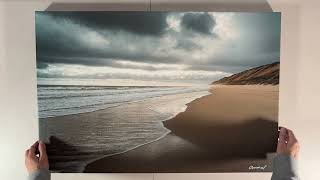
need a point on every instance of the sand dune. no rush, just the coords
(265, 74)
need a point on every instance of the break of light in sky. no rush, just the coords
(182, 47)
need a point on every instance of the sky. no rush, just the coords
(178, 47)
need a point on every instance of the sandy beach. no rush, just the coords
(230, 130)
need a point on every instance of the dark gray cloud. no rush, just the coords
(152, 23)
(59, 41)
(198, 22)
(187, 45)
(41, 65)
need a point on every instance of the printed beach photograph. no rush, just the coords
(166, 92)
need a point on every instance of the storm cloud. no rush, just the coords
(153, 24)
(201, 23)
(58, 38)
(187, 45)
(191, 43)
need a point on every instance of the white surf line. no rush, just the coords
(118, 104)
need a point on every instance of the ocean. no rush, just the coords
(58, 100)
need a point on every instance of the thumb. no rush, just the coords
(292, 137)
(42, 150)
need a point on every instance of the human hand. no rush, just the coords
(288, 143)
(34, 161)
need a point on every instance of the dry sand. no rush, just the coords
(229, 130)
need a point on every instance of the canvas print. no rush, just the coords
(128, 92)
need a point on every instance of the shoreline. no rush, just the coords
(191, 143)
(141, 145)
(144, 105)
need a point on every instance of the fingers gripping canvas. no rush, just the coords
(158, 91)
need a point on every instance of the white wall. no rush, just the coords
(299, 89)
